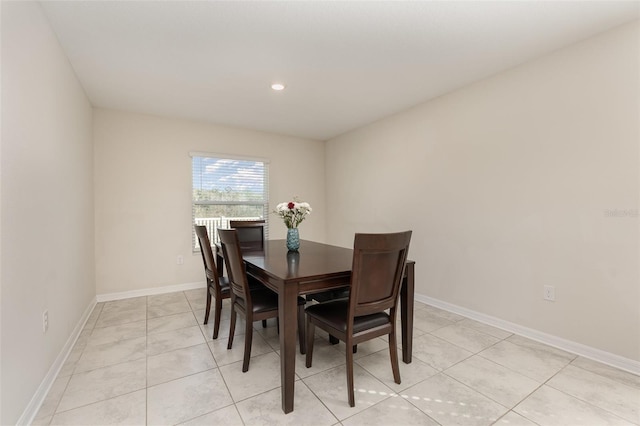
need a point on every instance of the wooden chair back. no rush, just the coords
(378, 265)
(207, 254)
(235, 265)
(250, 234)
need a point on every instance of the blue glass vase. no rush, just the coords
(293, 239)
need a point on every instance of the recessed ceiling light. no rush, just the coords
(278, 86)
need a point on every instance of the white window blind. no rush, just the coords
(227, 189)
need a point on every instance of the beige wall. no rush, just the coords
(143, 193)
(506, 184)
(47, 204)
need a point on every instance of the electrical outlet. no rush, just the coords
(549, 293)
(45, 321)
(180, 260)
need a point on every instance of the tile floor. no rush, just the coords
(148, 360)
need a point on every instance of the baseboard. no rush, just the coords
(149, 291)
(599, 355)
(34, 405)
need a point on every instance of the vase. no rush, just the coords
(293, 239)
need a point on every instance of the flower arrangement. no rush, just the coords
(293, 212)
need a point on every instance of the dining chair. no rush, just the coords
(377, 268)
(255, 304)
(217, 287)
(251, 237)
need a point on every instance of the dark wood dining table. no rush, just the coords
(315, 267)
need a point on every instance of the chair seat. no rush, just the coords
(225, 289)
(335, 314)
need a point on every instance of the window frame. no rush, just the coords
(264, 202)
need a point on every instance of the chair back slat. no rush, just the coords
(378, 265)
(235, 265)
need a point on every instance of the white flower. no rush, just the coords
(293, 212)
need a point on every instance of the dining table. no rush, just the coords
(314, 268)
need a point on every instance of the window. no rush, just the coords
(225, 189)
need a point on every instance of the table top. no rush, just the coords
(310, 261)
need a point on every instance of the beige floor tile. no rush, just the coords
(514, 419)
(224, 356)
(493, 380)
(171, 322)
(111, 353)
(426, 321)
(485, 328)
(116, 333)
(325, 357)
(117, 317)
(331, 387)
(541, 348)
(536, 364)
(438, 353)
(125, 410)
(550, 407)
(187, 398)
(617, 398)
(379, 365)
(103, 383)
(467, 338)
(227, 416)
(161, 310)
(444, 314)
(166, 299)
(450, 402)
(393, 411)
(125, 304)
(263, 375)
(179, 363)
(259, 410)
(158, 343)
(604, 370)
(197, 298)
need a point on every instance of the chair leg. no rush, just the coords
(393, 352)
(333, 340)
(232, 327)
(208, 308)
(248, 337)
(264, 323)
(352, 399)
(217, 313)
(301, 338)
(309, 348)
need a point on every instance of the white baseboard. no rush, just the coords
(34, 405)
(150, 291)
(599, 355)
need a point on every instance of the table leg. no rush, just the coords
(288, 311)
(407, 294)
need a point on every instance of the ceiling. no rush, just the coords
(345, 64)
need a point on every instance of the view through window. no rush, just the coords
(227, 189)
